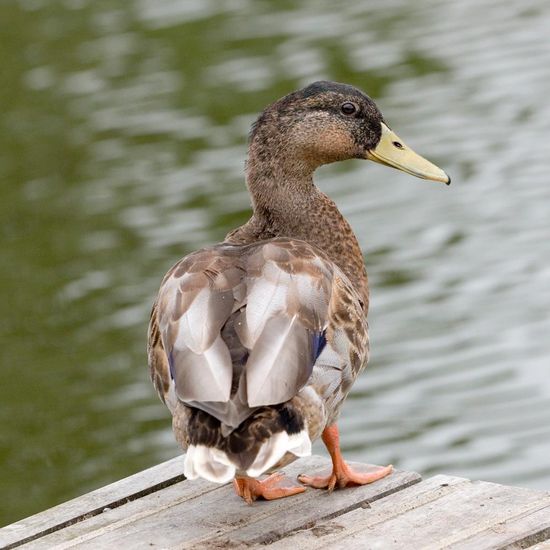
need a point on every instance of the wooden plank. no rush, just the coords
(441, 512)
(91, 504)
(522, 531)
(197, 514)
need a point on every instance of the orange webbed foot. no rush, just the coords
(344, 476)
(251, 489)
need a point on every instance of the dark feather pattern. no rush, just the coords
(242, 445)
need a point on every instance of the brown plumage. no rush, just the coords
(255, 342)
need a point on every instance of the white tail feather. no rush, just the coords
(276, 447)
(208, 463)
(214, 465)
(300, 444)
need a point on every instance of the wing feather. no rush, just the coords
(267, 296)
(280, 362)
(202, 376)
(202, 322)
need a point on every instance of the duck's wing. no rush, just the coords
(187, 357)
(233, 318)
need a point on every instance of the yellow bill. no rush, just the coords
(392, 151)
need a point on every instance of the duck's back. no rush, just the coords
(253, 348)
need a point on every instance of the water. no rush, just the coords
(122, 140)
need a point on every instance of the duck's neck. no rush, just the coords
(286, 203)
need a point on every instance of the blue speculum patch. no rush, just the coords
(319, 343)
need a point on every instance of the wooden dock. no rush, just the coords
(158, 508)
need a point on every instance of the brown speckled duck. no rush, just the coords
(255, 342)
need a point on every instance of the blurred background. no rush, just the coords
(123, 134)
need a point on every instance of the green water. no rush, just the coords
(122, 142)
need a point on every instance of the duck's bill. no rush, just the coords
(392, 151)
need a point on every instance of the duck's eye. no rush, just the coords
(349, 108)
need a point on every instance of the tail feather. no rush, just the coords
(276, 447)
(216, 465)
(208, 463)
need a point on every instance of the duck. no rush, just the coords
(255, 342)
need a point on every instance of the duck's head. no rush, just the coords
(327, 122)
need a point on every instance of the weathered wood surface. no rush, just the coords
(440, 512)
(157, 508)
(91, 504)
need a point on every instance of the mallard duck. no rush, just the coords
(255, 342)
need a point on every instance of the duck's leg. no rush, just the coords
(342, 475)
(250, 489)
